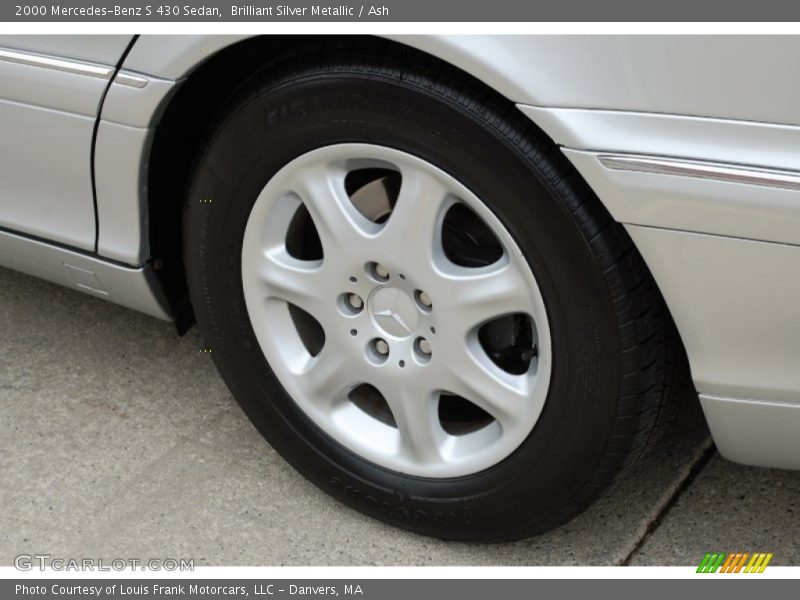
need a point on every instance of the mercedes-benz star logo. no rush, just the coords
(393, 311)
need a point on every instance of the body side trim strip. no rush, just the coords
(77, 67)
(786, 180)
(131, 79)
(699, 139)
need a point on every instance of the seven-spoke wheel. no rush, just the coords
(380, 304)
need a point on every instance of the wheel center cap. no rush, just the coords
(393, 312)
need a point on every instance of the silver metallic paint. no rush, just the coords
(137, 105)
(735, 303)
(713, 203)
(45, 183)
(723, 76)
(718, 140)
(121, 158)
(48, 109)
(35, 84)
(758, 433)
(135, 288)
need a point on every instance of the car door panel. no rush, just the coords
(48, 109)
(45, 174)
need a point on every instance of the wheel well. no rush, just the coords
(176, 138)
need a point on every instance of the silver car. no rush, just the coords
(456, 281)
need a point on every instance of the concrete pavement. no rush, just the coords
(119, 439)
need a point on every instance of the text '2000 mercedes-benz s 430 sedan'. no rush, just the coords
(456, 281)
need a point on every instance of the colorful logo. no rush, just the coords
(736, 562)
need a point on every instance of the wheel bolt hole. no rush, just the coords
(402, 363)
(350, 304)
(353, 280)
(423, 300)
(433, 330)
(354, 332)
(422, 350)
(402, 276)
(377, 271)
(378, 351)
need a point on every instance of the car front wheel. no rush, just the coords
(417, 301)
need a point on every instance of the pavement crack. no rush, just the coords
(705, 457)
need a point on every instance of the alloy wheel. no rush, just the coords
(396, 310)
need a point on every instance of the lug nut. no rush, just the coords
(424, 346)
(380, 271)
(424, 299)
(355, 301)
(381, 347)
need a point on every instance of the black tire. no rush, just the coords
(613, 357)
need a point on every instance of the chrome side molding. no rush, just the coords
(74, 67)
(131, 79)
(786, 180)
